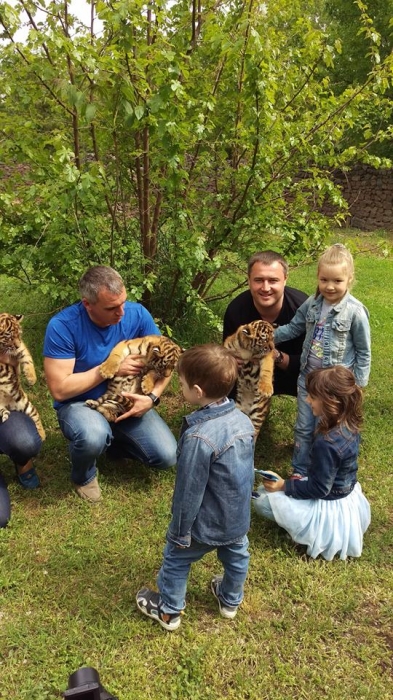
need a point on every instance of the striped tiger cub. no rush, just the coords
(254, 344)
(12, 396)
(160, 355)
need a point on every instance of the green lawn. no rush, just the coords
(69, 571)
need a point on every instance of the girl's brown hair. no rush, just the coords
(341, 398)
(212, 367)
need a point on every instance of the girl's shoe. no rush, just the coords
(29, 479)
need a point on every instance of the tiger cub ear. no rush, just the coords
(18, 317)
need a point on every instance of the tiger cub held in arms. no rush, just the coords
(159, 354)
(12, 396)
(254, 344)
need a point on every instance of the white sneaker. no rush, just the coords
(227, 611)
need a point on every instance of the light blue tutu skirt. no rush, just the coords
(326, 527)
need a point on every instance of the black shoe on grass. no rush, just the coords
(148, 603)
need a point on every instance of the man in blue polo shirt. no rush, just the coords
(77, 341)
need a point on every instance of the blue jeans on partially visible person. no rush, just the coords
(304, 430)
(147, 439)
(19, 440)
(173, 575)
(5, 503)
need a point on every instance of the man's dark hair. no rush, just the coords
(212, 367)
(268, 257)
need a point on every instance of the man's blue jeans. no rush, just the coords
(304, 430)
(147, 439)
(19, 440)
(173, 575)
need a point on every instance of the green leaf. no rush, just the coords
(139, 112)
(90, 112)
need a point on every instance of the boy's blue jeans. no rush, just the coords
(173, 575)
(304, 430)
(147, 439)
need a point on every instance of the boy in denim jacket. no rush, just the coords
(212, 495)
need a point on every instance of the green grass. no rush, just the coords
(69, 572)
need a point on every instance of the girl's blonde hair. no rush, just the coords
(340, 396)
(338, 254)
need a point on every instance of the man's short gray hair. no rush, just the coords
(97, 277)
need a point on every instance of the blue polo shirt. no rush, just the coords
(71, 334)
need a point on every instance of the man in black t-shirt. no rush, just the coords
(268, 298)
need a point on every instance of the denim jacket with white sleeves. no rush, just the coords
(346, 338)
(214, 479)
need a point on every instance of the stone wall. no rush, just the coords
(369, 194)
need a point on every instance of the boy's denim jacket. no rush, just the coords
(346, 338)
(333, 470)
(215, 476)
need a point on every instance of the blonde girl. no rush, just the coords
(337, 333)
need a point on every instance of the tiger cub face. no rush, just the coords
(162, 356)
(10, 333)
(252, 339)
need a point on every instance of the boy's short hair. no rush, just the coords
(212, 367)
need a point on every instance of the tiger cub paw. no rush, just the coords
(30, 375)
(108, 369)
(266, 390)
(92, 404)
(147, 384)
(4, 414)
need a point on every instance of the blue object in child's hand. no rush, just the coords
(266, 475)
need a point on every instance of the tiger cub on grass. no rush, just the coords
(254, 344)
(12, 396)
(160, 355)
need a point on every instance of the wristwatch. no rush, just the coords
(156, 399)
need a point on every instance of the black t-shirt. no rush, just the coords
(242, 310)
